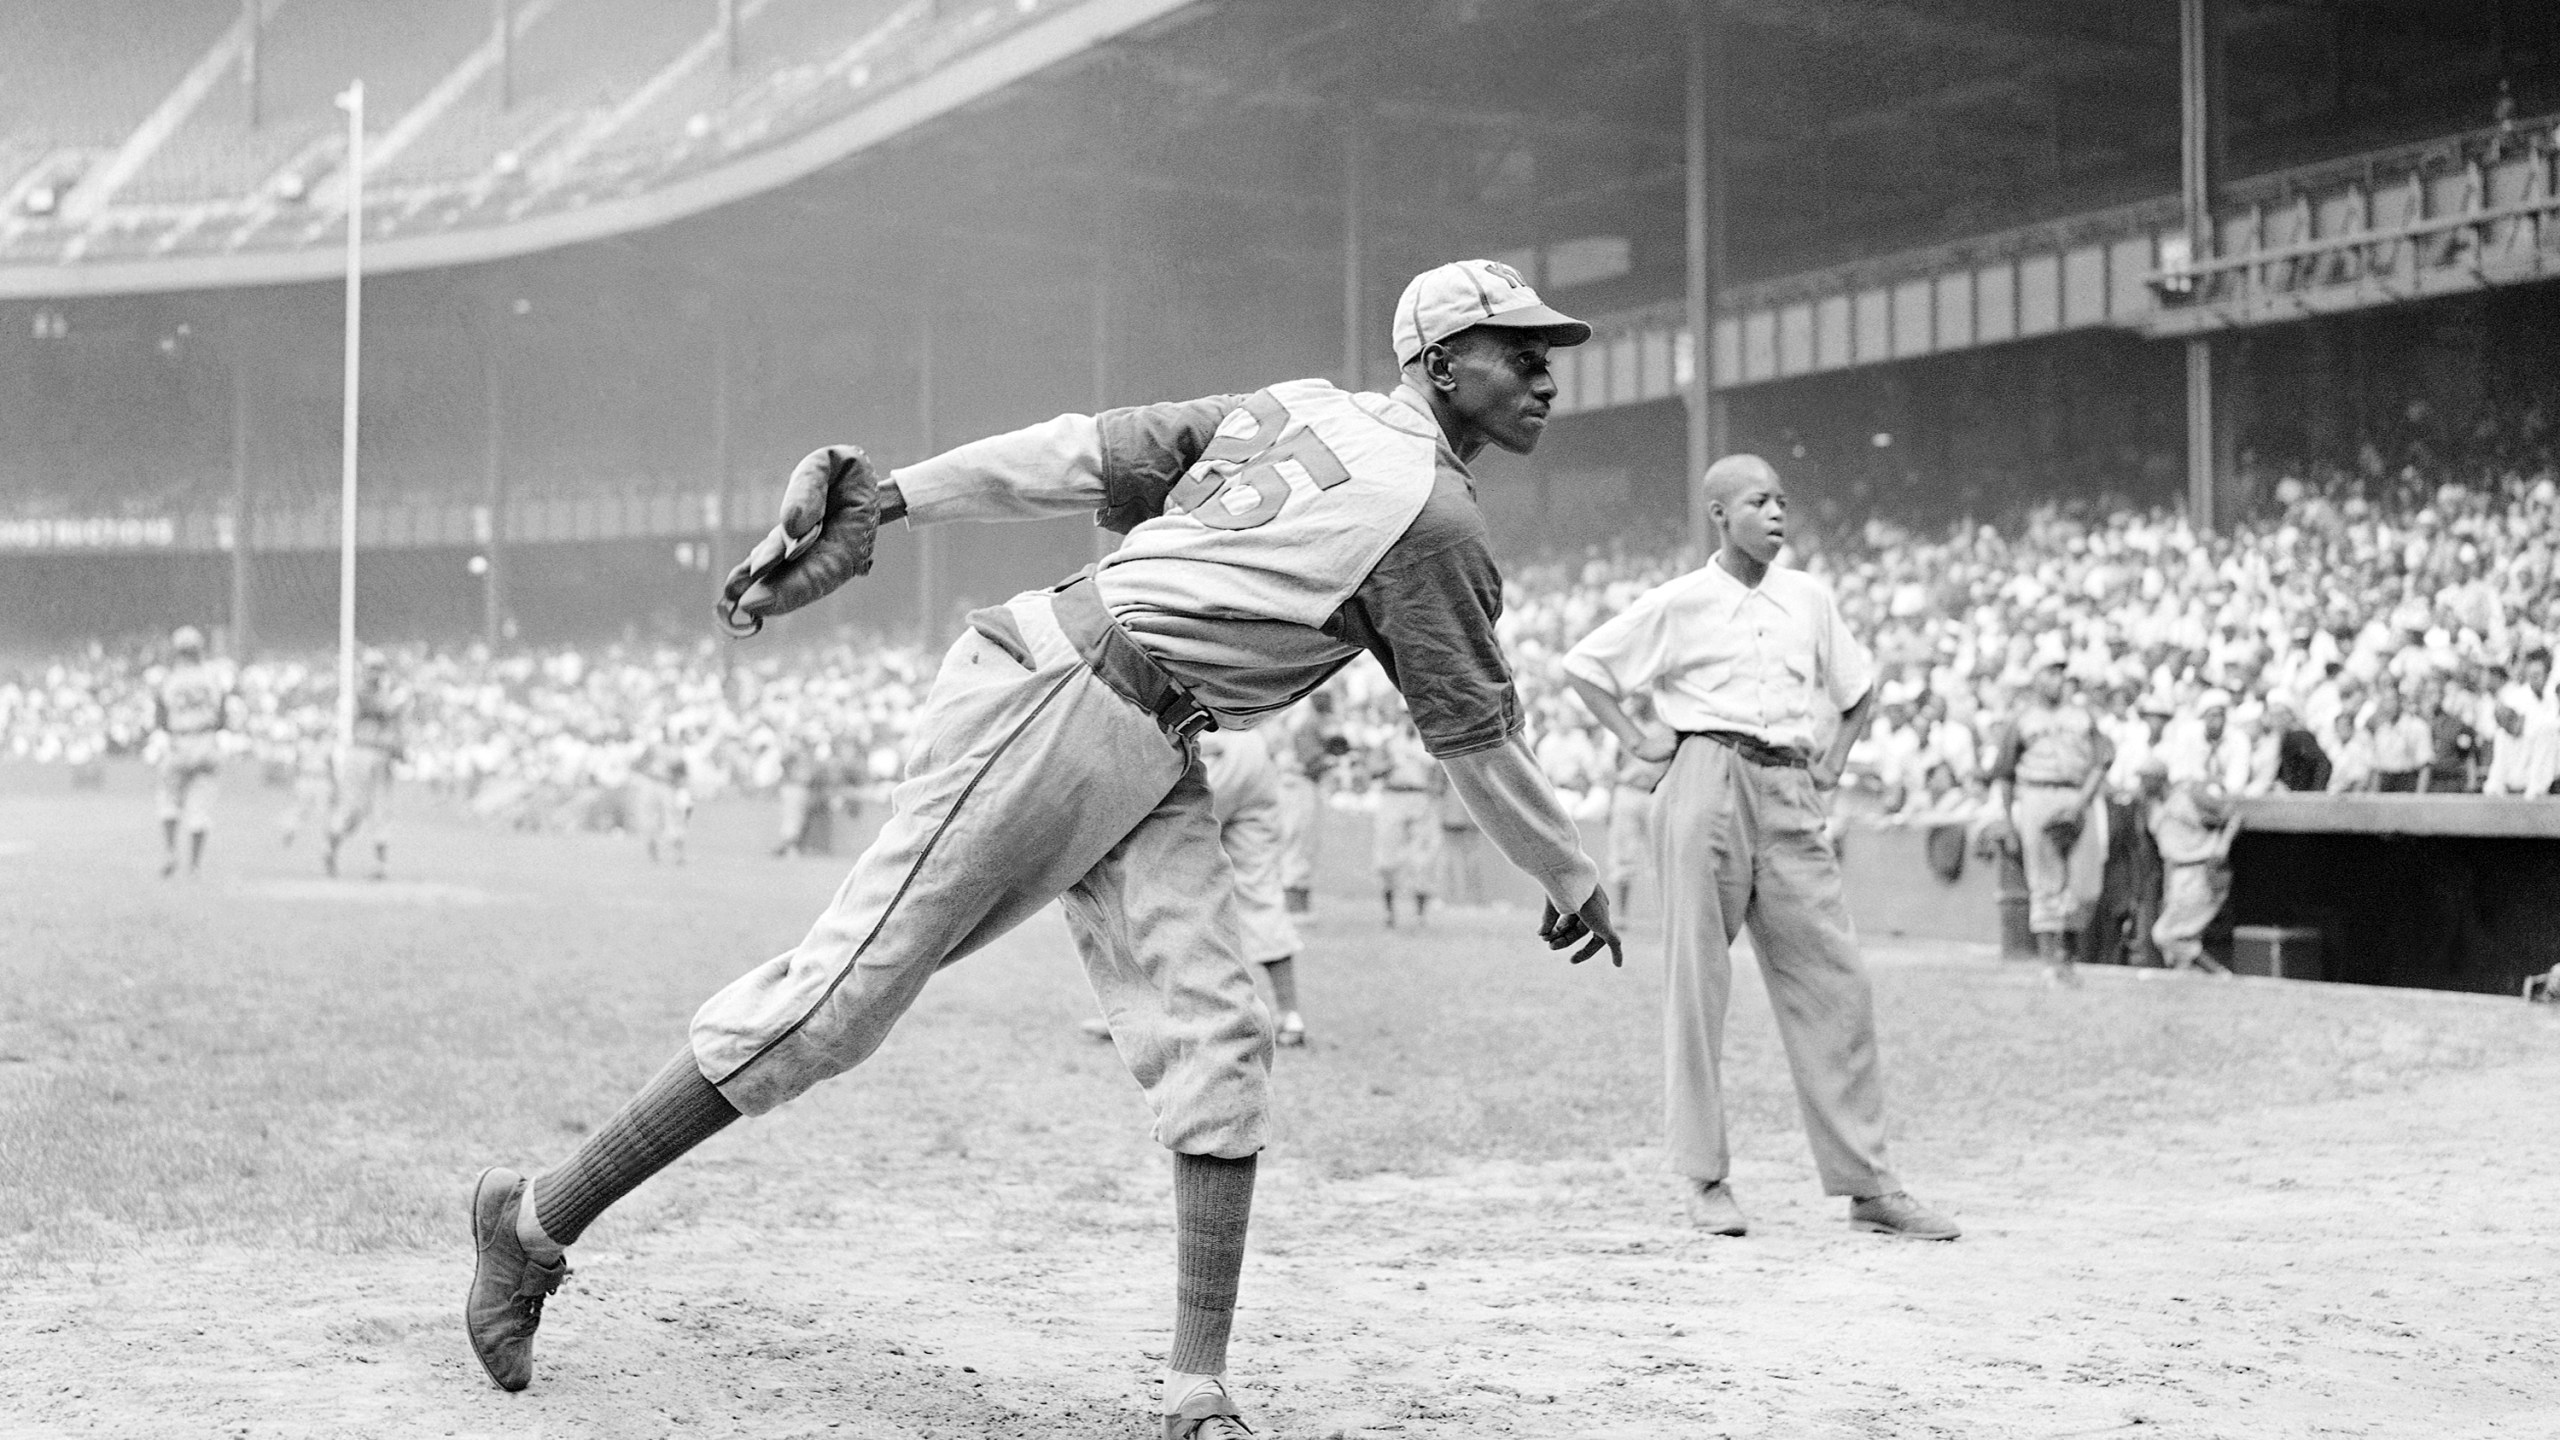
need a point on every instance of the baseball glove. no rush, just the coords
(830, 516)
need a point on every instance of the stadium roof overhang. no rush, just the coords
(1049, 38)
(1852, 121)
(1896, 177)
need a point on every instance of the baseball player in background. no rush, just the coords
(1405, 846)
(364, 771)
(2045, 787)
(663, 802)
(1631, 785)
(1271, 539)
(189, 708)
(1749, 667)
(315, 785)
(1315, 745)
(1244, 798)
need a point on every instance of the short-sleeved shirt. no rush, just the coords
(1772, 661)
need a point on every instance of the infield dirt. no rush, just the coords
(238, 1117)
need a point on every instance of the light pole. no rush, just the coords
(350, 100)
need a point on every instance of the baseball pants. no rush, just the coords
(2190, 896)
(1742, 844)
(2062, 886)
(189, 779)
(1246, 806)
(1301, 827)
(1030, 780)
(1406, 848)
(364, 793)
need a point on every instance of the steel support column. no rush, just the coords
(928, 542)
(1103, 279)
(243, 505)
(715, 516)
(1705, 184)
(493, 474)
(2199, 150)
(1355, 319)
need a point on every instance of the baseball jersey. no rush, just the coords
(2049, 745)
(191, 699)
(1271, 539)
(379, 711)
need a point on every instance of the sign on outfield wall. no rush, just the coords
(89, 533)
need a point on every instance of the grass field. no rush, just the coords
(238, 1115)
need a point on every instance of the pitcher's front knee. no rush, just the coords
(783, 1027)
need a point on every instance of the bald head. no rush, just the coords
(1735, 475)
(1747, 502)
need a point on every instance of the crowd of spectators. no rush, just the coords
(536, 739)
(2387, 631)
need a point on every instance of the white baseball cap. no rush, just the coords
(1463, 294)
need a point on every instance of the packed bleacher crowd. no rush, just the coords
(2375, 629)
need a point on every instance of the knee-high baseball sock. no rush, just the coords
(1212, 1200)
(677, 1111)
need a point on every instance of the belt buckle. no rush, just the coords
(1192, 724)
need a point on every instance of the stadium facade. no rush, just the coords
(624, 266)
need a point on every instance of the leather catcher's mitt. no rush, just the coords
(830, 516)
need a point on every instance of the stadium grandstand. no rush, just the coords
(2005, 288)
(1958, 255)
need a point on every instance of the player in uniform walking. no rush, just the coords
(1405, 846)
(1271, 538)
(364, 771)
(662, 801)
(1747, 665)
(2051, 762)
(189, 709)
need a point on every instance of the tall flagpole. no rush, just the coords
(351, 101)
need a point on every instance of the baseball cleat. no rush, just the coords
(1207, 1415)
(1898, 1214)
(1713, 1209)
(1095, 1028)
(1292, 1033)
(504, 1306)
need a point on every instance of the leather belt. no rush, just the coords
(1758, 752)
(1129, 670)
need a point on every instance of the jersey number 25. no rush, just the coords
(1242, 479)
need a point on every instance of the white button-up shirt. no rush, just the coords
(1771, 661)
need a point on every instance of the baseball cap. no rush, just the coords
(1463, 294)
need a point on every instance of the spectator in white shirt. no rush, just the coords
(2401, 744)
(2350, 755)
(2524, 755)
